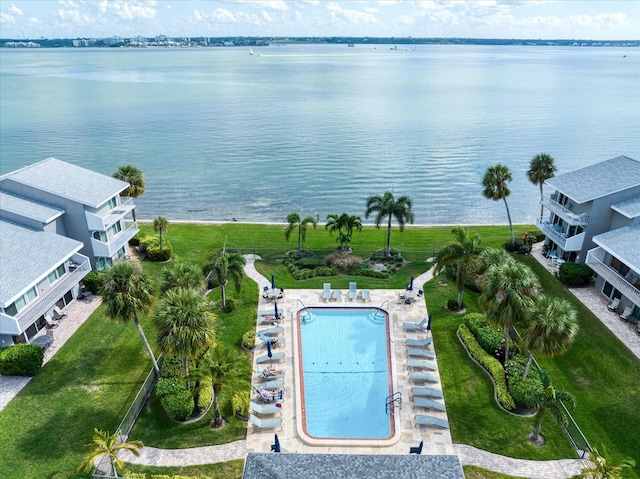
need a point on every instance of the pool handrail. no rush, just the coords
(385, 301)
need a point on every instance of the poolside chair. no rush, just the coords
(265, 292)
(50, 323)
(275, 384)
(416, 450)
(267, 312)
(427, 392)
(421, 353)
(353, 293)
(272, 320)
(278, 343)
(277, 397)
(420, 343)
(336, 295)
(428, 403)
(267, 359)
(613, 305)
(270, 377)
(626, 313)
(365, 295)
(59, 313)
(271, 331)
(266, 408)
(326, 292)
(416, 326)
(428, 378)
(432, 421)
(269, 423)
(422, 364)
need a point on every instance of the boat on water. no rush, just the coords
(250, 51)
(351, 45)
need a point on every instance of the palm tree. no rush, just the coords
(495, 188)
(550, 329)
(160, 225)
(182, 275)
(603, 467)
(344, 226)
(463, 254)
(295, 221)
(109, 445)
(550, 399)
(387, 207)
(126, 291)
(541, 168)
(185, 325)
(225, 267)
(224, 367)
(508, 295)
(132, 175)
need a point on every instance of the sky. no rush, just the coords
(524, 19)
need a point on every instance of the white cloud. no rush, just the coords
(13, 10)
(262, 4)
(222, 15)
(350, 16)
(7, 19)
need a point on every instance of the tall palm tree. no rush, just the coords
(550, 399)
(344, 226)
(109, 445)
(127, 291)
(224, 367)
(226, 267)
(301, 224)
(387, 207)
(132, 175)
(495, 188)
(508, 295)
(550, 330)
(185, 325)
(182, 275)
(603, 467)
(160, 226)
(464, 253)
(541, 168)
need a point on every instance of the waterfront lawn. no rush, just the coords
(221, 470)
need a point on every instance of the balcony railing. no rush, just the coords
(563, 212)
(594, 261)
(109, 250)
(17, 324)
(571, 243)
(96, 222)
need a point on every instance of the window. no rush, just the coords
(116, 228)
(100, 236)
(56, 274)
(112, 203)
(102, 263)
(619, 266)
(20, 303)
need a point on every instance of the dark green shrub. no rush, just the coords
(249, 339)
(154, 253)
(21, 360)
(490, 338)
(574, 274)
(93, 281)
(516, 247)
(524, 393)
(172, 367)
(135, 241)
(240, 403)
(310, 262)
(179, 405)
(205, 395)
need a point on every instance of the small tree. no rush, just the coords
(182, 275)
(132, 175)
(107, 444)
(386, 207)
(496, 188)
(541, 168)
(551, 400)
(602, 466)
(301, 224)
(227, 266)
(344, 226)
(160, 226)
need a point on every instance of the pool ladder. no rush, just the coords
(385, 301)
(304, 308)
(395, 400)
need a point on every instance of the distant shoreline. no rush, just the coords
(320, 223)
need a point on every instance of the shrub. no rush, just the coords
(310, 262)
(93, 281)
(490, 338)
(514, 247)
(452, 305)
(172, 367)
(240, 403)
(343, 261)
(230, 305)
(205, 395)
(135, 241)
(154, 253)
(524, 393)
(133, 475)
(379, 255)
(21, 360)
(249, 339)
(491, 364)
(574, 274)
(178, 405)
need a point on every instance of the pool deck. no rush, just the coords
(408, 434)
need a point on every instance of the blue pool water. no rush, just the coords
(344, 356)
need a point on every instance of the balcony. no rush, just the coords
(563, 212)
(101, 223)
(595, 259)
(571, 243)
(109, 250)
(16, 325)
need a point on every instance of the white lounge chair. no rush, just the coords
(271, 331)
(275, 384)
(427, 392)
(626, 313)
(59, 313)
(431, 421)
(420, 343)
(326, 292)
(280, 343)
(50, 322)
(428, 378)
(365, 295)
(267, 359)
(428, 403)
(416, 326)
(336, 295)
(274, 398)
(268, 423)
(613, 305)
(422, 364)
(353, 292)
(421, 353)
(270, 377)
(264, 408)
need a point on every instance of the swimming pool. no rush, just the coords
(344, 375)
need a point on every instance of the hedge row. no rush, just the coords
(142, 475)
(491, 364)
(175, 398)
(489, 337)
(524, 392)
(21, 360)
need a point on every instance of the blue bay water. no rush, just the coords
(317, 129)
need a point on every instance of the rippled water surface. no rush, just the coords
(221, 134)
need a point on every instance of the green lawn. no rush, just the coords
(93, 378)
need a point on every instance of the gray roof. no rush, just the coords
(596, 181)
(29, 208)
(69, 181)
(623, 243)
(630, 208)
(27, 255)
(350, 466)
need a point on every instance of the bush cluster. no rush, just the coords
(175, 398)
(574, 274)
(308, 267)
(518, 247)
(240, 403)
(364, 270)
(205, 394)
(152, 248)
(394, 256)
(491, 364)
(94, 281)
(490, 338)
(21, 360)
(524, 393)
(249, 339)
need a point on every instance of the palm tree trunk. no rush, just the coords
(526, 368)
(217, 417)
(185, 369)
(146, 343)
(299, 240)
(224, 299)
(535, 435)
(513, 238)
(460, 284)
(506, 343)
(160, 240)
(388, 244)
(541, 206)
(460, 299)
